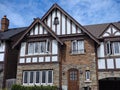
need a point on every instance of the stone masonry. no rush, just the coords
(80, 62)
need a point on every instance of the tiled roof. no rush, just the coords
(98, 29)
(11, 32)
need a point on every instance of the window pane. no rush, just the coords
(110, 64)
(37, 77)
(25, 77)
(43, 76)
(80, 47)
(30, 48)
(74, 46)
(101, 64)
(49, 76)
(36, 47)
(31, 77)
(87, 75)
(42, 47)
(117, 62)
(116, 47)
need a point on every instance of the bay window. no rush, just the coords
(39, 47)
(40, 77)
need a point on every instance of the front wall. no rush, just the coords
(108, 74)
(54, 67)
(80, 62)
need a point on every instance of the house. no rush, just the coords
(57, 50)
(108, 54)
(8, 55)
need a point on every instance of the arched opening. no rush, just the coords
(111, 83)
(73, 76)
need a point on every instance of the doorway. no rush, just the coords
(73, 81)
(112, 83)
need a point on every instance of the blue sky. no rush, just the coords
(86, 12)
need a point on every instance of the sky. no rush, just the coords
(86, 12)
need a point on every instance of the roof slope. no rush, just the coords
(11, 32)
(98, 29)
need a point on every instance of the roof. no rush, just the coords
(37, 20)
(56, 6)
(11, 32)
(98, 29)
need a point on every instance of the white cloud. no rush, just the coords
(22, 12)
(93, 11)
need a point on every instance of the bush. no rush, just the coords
(20, 87)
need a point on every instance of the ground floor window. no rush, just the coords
(38, 77)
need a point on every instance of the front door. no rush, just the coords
(73, 83)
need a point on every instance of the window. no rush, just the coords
(77, 46)
(2, 50)
(73, 75)
(87, 75)
(113, 48)
(44, 77)
(38, 47)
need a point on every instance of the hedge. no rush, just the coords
(20, 87)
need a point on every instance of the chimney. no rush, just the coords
(4, 23)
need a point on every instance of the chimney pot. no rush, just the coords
(4, 23)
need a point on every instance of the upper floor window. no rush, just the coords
(39, 47)
(77, 46)
(113, 48)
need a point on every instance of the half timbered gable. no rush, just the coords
(62, 23)
(111, 31)
(41, 44)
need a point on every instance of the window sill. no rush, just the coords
(78, 53)
(87, 81)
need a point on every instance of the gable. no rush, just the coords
(111, 31)
(66, 25)
(38, 29)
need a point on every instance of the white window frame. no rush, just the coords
(43, 47)
(115, 48)
(40, 77)
(87, 75)
(75, 49)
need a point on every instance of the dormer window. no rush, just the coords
(56, 21)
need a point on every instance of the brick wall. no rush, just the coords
(80, 62)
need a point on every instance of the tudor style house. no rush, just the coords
(57, 50)
(108, 54)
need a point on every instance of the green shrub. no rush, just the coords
(20, 87)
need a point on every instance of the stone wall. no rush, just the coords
(54, 67)
(107, 74)
(80, 62)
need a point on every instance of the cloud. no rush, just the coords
(22, 12)
(93, 11)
